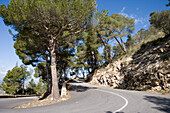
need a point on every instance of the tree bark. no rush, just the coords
(123, 45)
(55, 89)
(120, 44)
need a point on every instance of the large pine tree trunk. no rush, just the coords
(55, 89)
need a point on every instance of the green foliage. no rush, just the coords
(65, 58)
(137, 42)
(35, 19)
(15, 79)
(115, 27)
(39, 17)
(31, 87)
(29, 51)
(40, 88)
(161, 20)
(117, 51)
(87, 50)
(46, 26)
(130, 42)
(40, 71)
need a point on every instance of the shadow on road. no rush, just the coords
(162, 103)
(79, 88)
(112, 112)
(109, 112)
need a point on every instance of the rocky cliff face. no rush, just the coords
(148, 68)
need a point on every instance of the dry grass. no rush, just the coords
(159, 92)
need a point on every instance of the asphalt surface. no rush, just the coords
(86, 98)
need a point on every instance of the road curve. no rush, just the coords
(92, 99)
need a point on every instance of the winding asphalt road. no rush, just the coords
(92, 99)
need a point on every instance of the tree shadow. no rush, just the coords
(162, 103)
(79, 88)
(109, 112)
(44, 96)
(112, 112)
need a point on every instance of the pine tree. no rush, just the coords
(161, 20)
(15, 80)
(87, 50)
(41, 87)
(31, 87)
(130, 42)
(24, 76)
(115, 27)
(49, 21)
(31, 52)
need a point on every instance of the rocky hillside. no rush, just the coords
(147, 69)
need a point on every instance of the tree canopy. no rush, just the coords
(161, 20)
(48, 22)
(115, 27)
(15, 79)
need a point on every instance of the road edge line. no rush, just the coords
(126, 101)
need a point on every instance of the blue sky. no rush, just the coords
(137, 9)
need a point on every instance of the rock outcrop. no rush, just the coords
(110, 75)
(148, 68)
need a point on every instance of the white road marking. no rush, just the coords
(126, 101)
(7, 99)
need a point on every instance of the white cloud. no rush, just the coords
(132, 16)
(123, 9)
(2, 70)
(125, 14)
(138, 20)
(122, 12)
(145, 26)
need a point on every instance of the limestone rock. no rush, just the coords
(149, 68)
